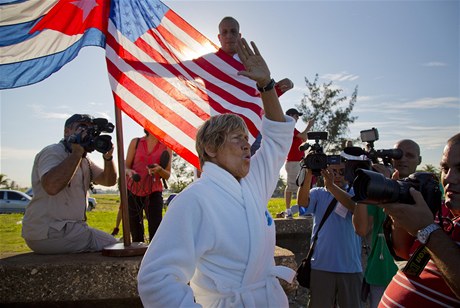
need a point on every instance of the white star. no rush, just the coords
(86, 6)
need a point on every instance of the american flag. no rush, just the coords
(169, 78)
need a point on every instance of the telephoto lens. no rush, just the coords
(373, 188)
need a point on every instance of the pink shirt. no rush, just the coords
(142, 158)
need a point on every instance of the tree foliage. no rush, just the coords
(431, 168)
(332, 112)
(4, 181)
(182, 174)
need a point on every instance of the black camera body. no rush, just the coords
(316, 160)
(373, 188)
(93, 140)
(385, 155)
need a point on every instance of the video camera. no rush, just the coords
(369, 136)
(316, 160)
(373, 188)
(93, 140)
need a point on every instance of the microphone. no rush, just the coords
(136, 177)
(164, 160)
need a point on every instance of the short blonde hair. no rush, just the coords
(213, 133)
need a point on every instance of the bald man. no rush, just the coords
(411, 158)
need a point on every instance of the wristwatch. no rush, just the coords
(268, 87)
(424, 234)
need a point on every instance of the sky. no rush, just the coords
(403, 55)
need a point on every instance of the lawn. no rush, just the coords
(102, 218)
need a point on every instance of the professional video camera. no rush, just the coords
(372, 155)
(91, 139)
(316, 160)
(373, 188)
(369, 136)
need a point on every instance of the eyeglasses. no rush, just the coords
(340, 171)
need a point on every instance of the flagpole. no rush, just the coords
(127, 248)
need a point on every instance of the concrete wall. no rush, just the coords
(294, 235)
(83, 280)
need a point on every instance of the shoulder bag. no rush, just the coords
(304, 269)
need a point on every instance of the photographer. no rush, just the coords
(438, 284)
(55, 219)
(380, 264)
(336, 272)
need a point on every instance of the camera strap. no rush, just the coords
(387, 231)
(417, 262)
(300, 176)
(326, 215)
(67, 146)
(420, 258)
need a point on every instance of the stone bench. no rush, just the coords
(83, 280)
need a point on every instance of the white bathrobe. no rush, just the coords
(218, 235)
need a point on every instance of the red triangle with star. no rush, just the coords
(73, 17)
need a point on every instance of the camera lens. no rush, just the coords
(316, 161)
(392, 153)
(373, 187)
(103, 143)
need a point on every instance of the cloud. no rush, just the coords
(363, 98)
(431, 103)
(398, 106)
(434, 64)
(343, 76)
(9, 153)
(42, 114)
(38, 112)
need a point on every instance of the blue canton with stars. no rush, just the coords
(133, 18)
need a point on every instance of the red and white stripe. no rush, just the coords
(162, 83)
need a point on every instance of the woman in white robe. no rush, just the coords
(215, 246)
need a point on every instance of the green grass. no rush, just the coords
(103, 217)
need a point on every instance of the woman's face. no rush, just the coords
(234, 155)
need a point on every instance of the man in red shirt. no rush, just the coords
(294, 157)
(438, 285)
(229, 33)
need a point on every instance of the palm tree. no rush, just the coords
(4, 181)
(432, 169)
(14, 185)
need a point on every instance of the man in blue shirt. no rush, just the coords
(336, 273)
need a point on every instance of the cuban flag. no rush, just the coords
(164, 74)
(38, 37)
